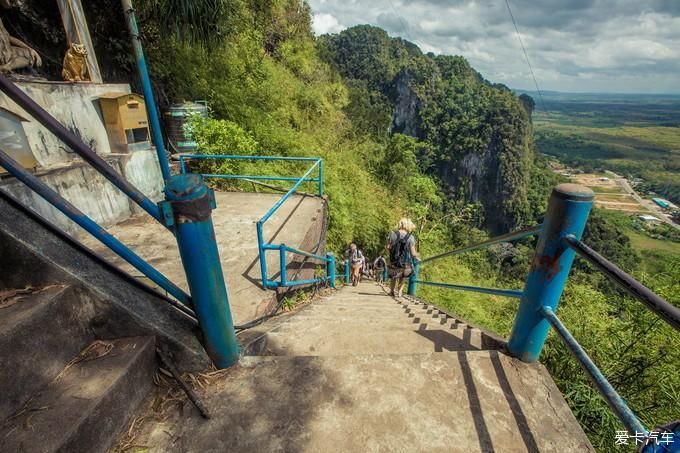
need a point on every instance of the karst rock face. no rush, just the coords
(480, 132)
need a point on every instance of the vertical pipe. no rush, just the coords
(346, 272)
(182, 166)
(320, 178)
(152, 111)
(567, 214)
(413, 278)
(386, 274)
(330, 269)
(283, 265)
(262, 255)
(189, 198)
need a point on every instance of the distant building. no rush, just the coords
(649, 218)
(663, 203)
(604, 178)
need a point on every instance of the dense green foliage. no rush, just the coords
(476, 136)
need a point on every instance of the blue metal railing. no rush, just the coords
(263, 245)
(187, 198)
(559, 241)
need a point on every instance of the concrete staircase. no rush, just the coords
(361, 371)
(62, 389)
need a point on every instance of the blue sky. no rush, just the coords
(574, 45)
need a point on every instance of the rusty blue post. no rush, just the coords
(413, 278)
(330, 269)
(567, 214)
(347, 272)
(188, 208)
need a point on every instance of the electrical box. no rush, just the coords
(125, 120)
(13, 140)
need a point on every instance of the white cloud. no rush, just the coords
(576, 45)
(323, 23)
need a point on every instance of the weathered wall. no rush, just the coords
(73, 105)
(76, 106)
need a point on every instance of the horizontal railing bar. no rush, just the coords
(304, 282)
(495, 291)
(241, 157)
(617, 404)
(92, 227)
(291, 191)
(261, 178)
(50, 123)
(303, 253)
(498, 239)
(652, 301)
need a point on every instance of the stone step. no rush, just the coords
(480, 401)
(349, 339)
(87, 405)
(303, 322)
(372, 311)
(39, 334)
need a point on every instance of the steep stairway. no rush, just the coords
(361, 371)
(64, 390)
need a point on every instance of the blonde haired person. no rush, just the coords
(356, 261)
(401, 245)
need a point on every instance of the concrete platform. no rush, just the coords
(351, 372)
(441, 402)
(298, 223)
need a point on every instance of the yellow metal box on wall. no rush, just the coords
(125, 121)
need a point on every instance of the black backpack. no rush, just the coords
(400, 255)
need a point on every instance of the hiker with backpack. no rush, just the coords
(379, 266)
(401, 245)
(356, 262)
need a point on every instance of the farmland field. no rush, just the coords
(637, 136)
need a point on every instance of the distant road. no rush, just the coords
(649, 205)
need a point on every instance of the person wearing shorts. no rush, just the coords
(401, 245)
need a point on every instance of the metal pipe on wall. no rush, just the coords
(152, 110)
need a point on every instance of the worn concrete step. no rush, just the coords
(39, 334)
(86, 406)
(349, 303)
(371, 312)
(342, 339)
(303, 322)
(472, 401)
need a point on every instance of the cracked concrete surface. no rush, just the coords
(234, 221)
(373, 384)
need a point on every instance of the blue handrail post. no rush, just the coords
(320, 177)
(283, 265)
(346, 272)
(188, 207)
(385, 275)
(152, 110)
(330, 269)
(567, 213)
(413, 278)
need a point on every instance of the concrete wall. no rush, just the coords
(76, 106)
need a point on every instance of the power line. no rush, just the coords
(401, 21)
(531, 69)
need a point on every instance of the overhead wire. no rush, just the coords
(526, 56)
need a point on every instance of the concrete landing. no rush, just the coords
(440, 402)
(350, 373)
(298, 223)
